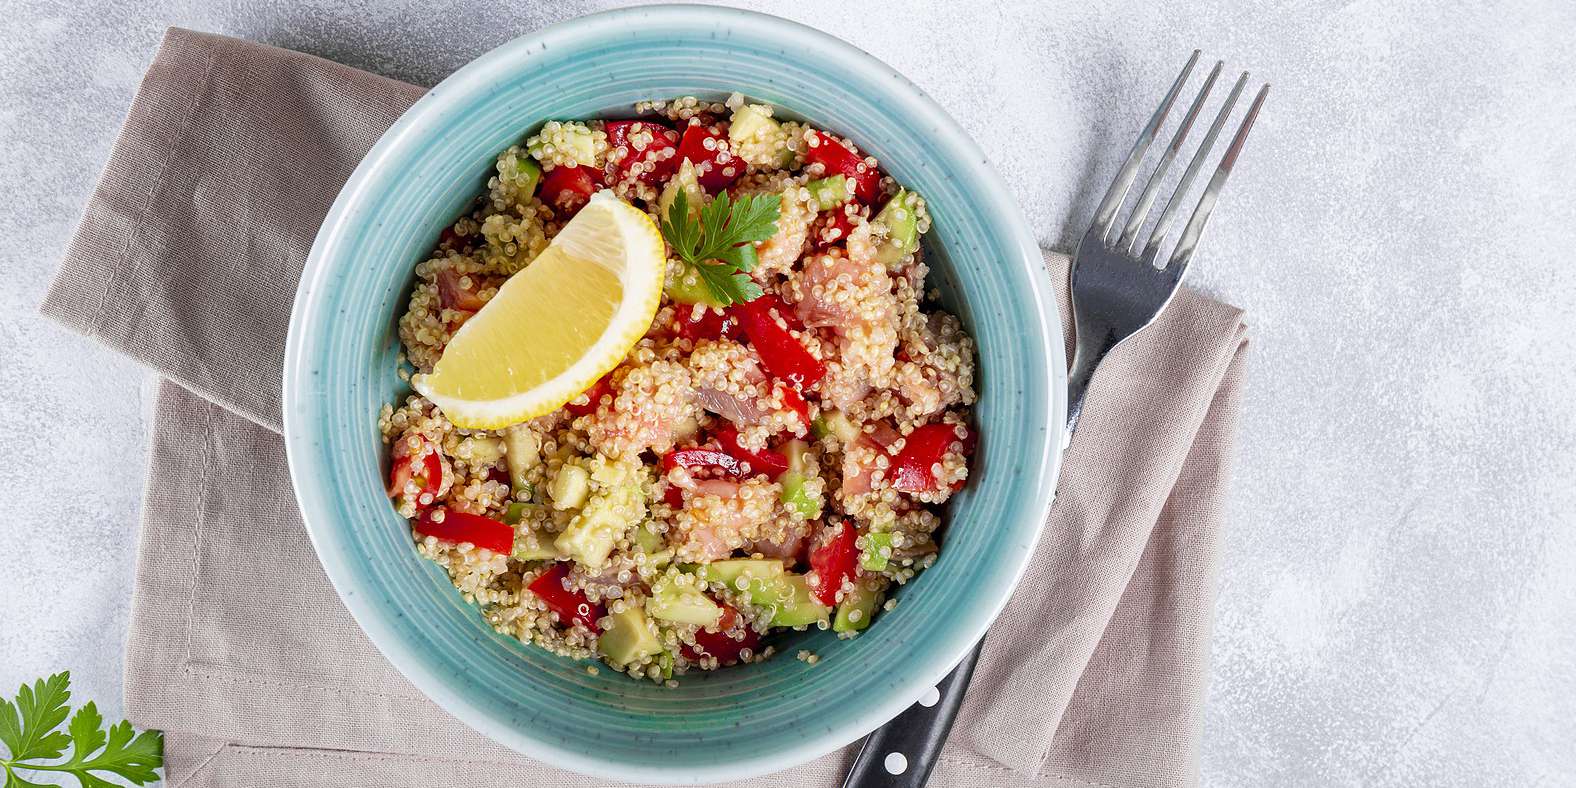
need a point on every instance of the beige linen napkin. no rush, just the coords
(187, 259)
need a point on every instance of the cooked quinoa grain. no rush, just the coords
(701, 497)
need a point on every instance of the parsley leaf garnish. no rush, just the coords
(29, 728)
(719, 243)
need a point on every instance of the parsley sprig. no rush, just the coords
(29, 728)
(719, 242)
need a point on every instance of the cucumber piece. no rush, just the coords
(794, 494)
(788, 597)
(871, 557)
(900, 218)
(858, 606)
(684, 180)
(681, 600)
(522, 451)
(629, 638)
(829, 192)
(730, 570)
(570, 487)
(513, 514)
(687, 288)
(527, 175)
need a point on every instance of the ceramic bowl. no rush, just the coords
(340, 369)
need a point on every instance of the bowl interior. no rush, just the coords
(341, 362)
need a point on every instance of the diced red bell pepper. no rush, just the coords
(572, 607)
(781, 354)
(568, 188)
(716, 168)
(673, 496)
(712, 324)
(824, 149)
(718, 644)
(834, 562)
(448, 525)
(429, 480)
(830, 228)
(660, 153)
(796, 403)
(772, 463)
(912, 469)
(453, 294)
(603, 386)
(703, 459)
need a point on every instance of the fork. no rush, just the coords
(1118, 288)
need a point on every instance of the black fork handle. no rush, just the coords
(902, 753)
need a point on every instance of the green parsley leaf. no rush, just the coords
(719, 243)
(28, 728)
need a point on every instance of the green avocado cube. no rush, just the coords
(876, 550)
(676, 600)
(728, 572)
(629, 638)
(829, 192)
(788, 597)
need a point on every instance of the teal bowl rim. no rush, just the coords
(417, 126)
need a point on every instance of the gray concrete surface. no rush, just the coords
(1400, 573)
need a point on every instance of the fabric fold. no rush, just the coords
(187, 260)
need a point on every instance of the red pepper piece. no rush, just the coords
(839, 160)
(660, 153)
(830, 228)
(796, 403)
(911, 469)
(448, 525)
(781, 354)
(716, 168)
(453, 294)
(772, 463)
(703, 459)
(568, 188)
(718, 644)
(673, 496)
(603, 386)
(834, 562)
(429, 478)
(572, 607)
(712, 324)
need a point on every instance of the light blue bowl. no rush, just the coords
(340, 363)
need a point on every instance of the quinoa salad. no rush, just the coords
(777, 459)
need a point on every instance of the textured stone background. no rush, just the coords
(1400, 575)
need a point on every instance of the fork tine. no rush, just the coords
(1124, 178)
(1206, 203)
(1157, 235)
(1146, 200)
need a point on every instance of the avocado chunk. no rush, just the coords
(728, 572)
(593, 532)
(682, 181)
(829, 192)
(534, 545)
(575, 138)
(630, 637)
(752, 121)
(788, 597)
(522, 452)
(570, 487)
(833, 422)
(859, 605)
(900, 219)
(679, 598)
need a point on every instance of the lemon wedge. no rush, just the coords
(558, 324)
